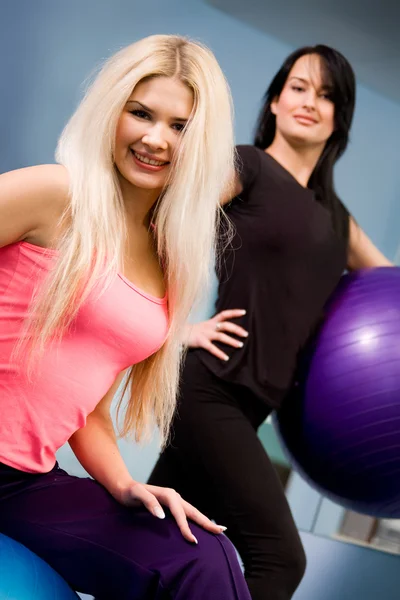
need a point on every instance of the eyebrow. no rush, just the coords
(180, 119)
(307, 82)
(299, 78)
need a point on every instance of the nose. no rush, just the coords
(155, 139)
(310, 99)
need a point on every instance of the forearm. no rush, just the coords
(362, 253)
(95, 446)
(374, 258)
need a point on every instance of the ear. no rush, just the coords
(274, 105)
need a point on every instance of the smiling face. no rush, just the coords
(149, 132)
(304, 111)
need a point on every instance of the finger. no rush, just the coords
(175, 505)
(226, 339)
(212, 349)
(232, 328)
(201, 519)
(231, 313)
(149, 501)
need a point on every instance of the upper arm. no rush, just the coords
(362, 251)
(247, 168)
(234, 189)
(31, 199)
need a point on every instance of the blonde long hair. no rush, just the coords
(186, 217)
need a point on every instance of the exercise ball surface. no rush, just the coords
(25, 576)
(340, 424)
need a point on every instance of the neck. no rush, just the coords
(299, 161)
(138, 203)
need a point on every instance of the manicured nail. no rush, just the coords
(222, 528)
(246, 334)
(240, 344)
(158, 512)
(243, 312)
(226, 357)
(195, 539)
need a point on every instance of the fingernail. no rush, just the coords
(195, 539)
(222, 528)
(240, 344)
(226, 357)
(243, 312)
(158, 512)
(246, 334)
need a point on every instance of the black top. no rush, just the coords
(284, 262)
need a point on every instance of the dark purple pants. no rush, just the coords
(112, 552)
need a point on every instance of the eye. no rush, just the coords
(297, 88)
(141, 114)
(178, 127)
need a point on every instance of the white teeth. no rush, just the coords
(147, 161)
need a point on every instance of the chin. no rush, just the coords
(144, 182)
(297, 139)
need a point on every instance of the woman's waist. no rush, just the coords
(14, 481)
(268, 384)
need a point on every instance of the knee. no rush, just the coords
(215, 557)
(214, 552)
(277, 563)
(295, 562)
(211, 570)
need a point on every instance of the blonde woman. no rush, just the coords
(101, 258)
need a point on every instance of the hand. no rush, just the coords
(202, 335)
(152, 496)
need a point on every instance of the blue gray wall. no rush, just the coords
(340, 571)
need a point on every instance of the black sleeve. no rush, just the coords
(247, 165)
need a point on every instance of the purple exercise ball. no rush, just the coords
(341, 422)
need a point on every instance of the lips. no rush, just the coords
(147, 159)
(305, 119)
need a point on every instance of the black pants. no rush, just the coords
(216, 462)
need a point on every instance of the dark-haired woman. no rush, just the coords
(293, 240)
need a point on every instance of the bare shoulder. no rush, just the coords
(41, 183)
(31, 199)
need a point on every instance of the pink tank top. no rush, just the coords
(113, 330)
